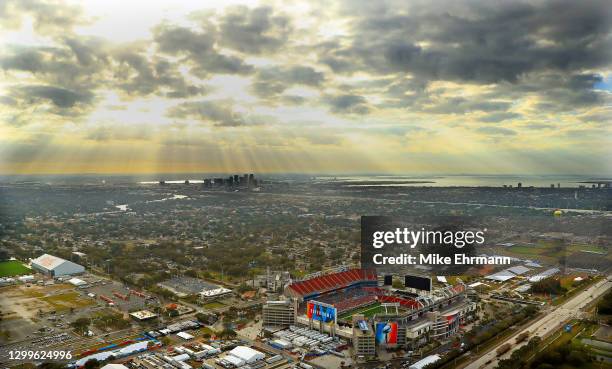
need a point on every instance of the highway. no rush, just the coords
(548, 324)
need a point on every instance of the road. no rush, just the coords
(550, 323)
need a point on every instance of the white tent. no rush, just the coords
(184, 335)
(114, 366)
(237, 362)
(247, 354)
(77, 282)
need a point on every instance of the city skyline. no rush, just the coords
(306, 87)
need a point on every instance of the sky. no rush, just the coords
(356, 86)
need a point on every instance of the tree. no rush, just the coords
(228, 333)
(605, 305)
(81, 325)
(92, 364)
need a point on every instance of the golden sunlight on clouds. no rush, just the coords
(303, 86)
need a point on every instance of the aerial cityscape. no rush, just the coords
(306, 185)
(267, 272)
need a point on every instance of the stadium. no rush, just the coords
(350, 292)
(354, 304)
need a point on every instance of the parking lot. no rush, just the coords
(25, 308)
(120, 296)
(183, 286)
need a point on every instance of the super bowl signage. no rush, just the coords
(386, 333)
(321, 313)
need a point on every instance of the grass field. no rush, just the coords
(213, 305)
(13, 268)
(368, 311)
(66, 301)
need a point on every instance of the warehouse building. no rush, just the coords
(56, 267)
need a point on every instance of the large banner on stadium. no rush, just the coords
(386, 333)
(321, 313)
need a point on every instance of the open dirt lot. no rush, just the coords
(22, 306)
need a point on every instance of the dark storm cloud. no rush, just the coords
(348, 104)
(30, 100)
(76, 67)
(548, 51)
(219, 113)
(137, 75)
(272, 81)
(60, 65)
(255, 30)
(60, 97)
(476, 41)
(27, 60)
(198, 49)
(557, 91)
(538, 48)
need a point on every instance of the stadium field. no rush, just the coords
(368, 311)
(13, 268)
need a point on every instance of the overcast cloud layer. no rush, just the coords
(306, 86)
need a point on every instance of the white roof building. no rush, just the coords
(114, 366)
(545, 274)
(502, 276)
(55, 266)
(184, 335)
(424, 362)
(247, 354)
(124, 351)
(205, 294)
(77, 282)
(519, 269)
(237, 362)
